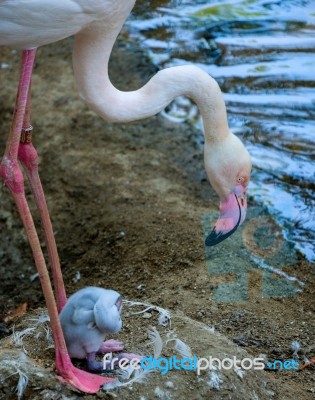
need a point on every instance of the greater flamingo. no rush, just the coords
(28, 24)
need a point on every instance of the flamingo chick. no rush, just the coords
(28, 24)
(87, 318)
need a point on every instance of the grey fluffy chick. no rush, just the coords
(88, 316)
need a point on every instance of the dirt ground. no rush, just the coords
(126, 203)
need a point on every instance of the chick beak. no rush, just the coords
(119, 304)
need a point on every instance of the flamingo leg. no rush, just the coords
(13, 178)
(28, 156)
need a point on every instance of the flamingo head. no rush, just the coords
(228, 167)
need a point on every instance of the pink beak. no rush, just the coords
(232, 214)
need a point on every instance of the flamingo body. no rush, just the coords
(34, 23)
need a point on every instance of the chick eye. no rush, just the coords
(92, 325)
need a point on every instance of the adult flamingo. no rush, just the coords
(28, 24)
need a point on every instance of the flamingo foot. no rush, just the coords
(310, 363)
(77, 378)
(111, 346)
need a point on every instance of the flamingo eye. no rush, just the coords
(240, 179)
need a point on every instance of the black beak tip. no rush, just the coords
(214, 238)
(217, 237)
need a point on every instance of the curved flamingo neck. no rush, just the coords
(91, 54)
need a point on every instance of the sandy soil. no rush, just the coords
(126, 203)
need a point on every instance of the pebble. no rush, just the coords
(169, 385)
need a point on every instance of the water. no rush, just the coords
(262, 54)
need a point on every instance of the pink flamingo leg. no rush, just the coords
(13, 177)
(111, 346)
(27, 154)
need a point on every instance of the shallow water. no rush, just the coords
(262, 54)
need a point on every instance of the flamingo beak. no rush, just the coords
(232, 214)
